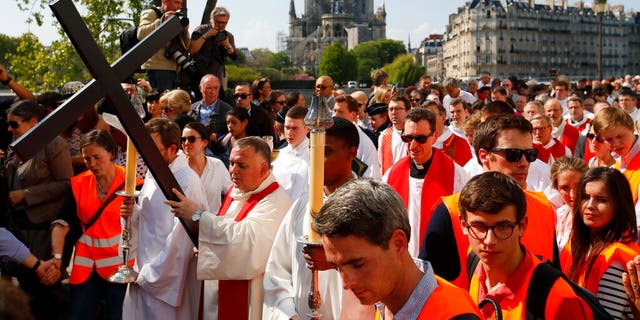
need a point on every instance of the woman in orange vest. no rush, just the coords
(603, 238)
(96, 249)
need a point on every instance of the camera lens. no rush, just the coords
(221, 36)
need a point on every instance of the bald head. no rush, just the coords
(324, 86)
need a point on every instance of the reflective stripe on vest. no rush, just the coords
(101, 263)
(99, 243)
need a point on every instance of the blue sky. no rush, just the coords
(255, 23)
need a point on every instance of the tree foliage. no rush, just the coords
(43, 68)
(404, 70)
(338, 63)
(373, 55)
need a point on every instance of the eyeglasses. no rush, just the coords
(220, 22)
(321, 87)
(396, 109)
(167, 109)
(240, 95)
(14, 124)
(416, 100)
(421, 138)
(191, 139)
(501, 230)
(282, 103)
(592, 136)
(514, 155)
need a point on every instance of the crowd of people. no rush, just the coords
(452, 200)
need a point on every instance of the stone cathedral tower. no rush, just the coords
(324, 22)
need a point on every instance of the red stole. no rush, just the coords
(233, 295)
(386, 149)
(570, 137)
(457, 149)
(558, 150)
(437, 183)
(543, 154)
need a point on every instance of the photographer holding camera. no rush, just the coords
(162, 67)
(210, 46)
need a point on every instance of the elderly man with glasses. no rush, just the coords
(504, 144)
(211, 44)
(211, 111)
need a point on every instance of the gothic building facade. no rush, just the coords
(324, 22)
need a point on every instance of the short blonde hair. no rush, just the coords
(608, 118)
(179, 100)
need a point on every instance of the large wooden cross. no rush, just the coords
(106, 83)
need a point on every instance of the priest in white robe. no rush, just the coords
(166, 287)
(234, 246)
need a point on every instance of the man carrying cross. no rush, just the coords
(166, 287)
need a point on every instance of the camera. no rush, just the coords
(183, 59)
(221, 36)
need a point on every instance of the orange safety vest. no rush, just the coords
(617, 251)
(516, 308)
(539, 235)
(437, 183)
(98, 245)
(632, 173)
(448, 301)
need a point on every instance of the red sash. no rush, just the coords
(558, 150)
(233, 295)
(457, 149)
(570, 137)
(437, 183)
(386, 152)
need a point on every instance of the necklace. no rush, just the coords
(101, 193)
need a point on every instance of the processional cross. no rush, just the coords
(106, 83)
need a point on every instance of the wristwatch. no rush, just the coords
(57, 256)
(196, 215)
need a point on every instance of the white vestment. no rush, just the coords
(230, 250)
(368, 154)
(215, 181)
(287, 279)
(291, 169)
(166, 287)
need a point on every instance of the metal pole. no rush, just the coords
(600, 18)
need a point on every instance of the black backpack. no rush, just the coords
(129, 37)
(542, 279)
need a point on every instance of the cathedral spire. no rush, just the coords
(409, 43)
(292, 10)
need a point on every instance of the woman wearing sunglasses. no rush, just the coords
(36, 189)
(603, 238)
(213, 174)
(599, 151)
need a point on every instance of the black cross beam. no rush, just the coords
(106, 83)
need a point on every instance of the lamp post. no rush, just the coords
(600, 7)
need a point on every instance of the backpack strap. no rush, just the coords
(472, 263)
(543, 278)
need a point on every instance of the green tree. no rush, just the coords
(338, 63)
(7, 44)
(373, 55)
(368, 55)
(60, 63)
(241, 74)
(404, 70)
(280, 61)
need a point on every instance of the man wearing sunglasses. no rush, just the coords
(503, 143)
(324, 88)
(493, 219)
(260, 124)
(425, 175)
(211, 111)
